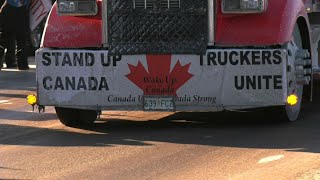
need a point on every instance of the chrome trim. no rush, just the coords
(211, 22)
(162, 2)
(104, 23)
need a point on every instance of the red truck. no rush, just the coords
(177, 55)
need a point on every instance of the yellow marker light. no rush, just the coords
(292, 99)
(32, 99)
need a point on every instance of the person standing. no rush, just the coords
(15, 27)
(9, 44)
(2, 39)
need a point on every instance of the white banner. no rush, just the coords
(38, 11)
(221, 78)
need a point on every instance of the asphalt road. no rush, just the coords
(139, 145)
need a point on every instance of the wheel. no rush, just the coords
(87, 117)
(76, 117)
(291, 112)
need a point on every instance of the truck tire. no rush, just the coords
(76, 117)
(291, 113)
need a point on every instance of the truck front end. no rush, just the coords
(170, 55)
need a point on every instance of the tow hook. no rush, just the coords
(33, 101)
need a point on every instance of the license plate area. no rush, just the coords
(158, 103)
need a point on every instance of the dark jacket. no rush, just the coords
(14, 19)
(1, 16)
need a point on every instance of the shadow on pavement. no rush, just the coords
(22, 80)
(241, 130)
(27, 116)
(7, 95)
(8, 168)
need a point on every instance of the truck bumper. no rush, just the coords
(220, 79)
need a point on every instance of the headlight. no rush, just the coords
(67, 7)
(244, 6)
(77, 7)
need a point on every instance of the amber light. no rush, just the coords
(292, 100)
(32, 99)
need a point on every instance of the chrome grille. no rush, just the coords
(139, 4)
(170, 4)
(149, 4)
(163, 27)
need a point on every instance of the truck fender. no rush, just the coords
(273, 27)
(73, 31)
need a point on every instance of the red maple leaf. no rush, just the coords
(158, 80)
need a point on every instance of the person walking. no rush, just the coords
(15, 27)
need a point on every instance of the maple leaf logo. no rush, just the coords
(158, 80)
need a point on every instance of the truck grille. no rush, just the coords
(157, 26)
(142, 4)
(174, 4)
(149, 4)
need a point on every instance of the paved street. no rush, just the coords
(139, 145)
